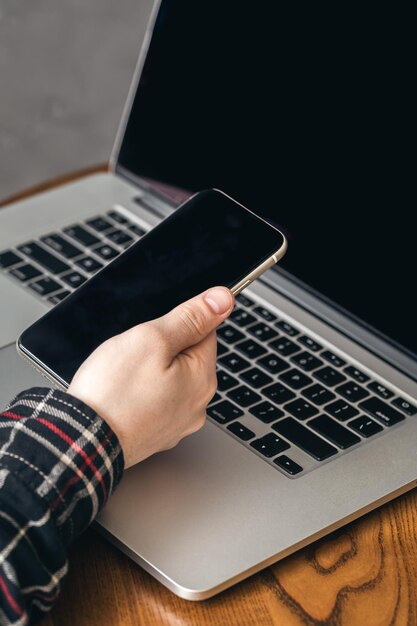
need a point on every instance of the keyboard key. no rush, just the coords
(318, 394)
(381, 390)
(221, 348)
(333, 431)
(234, 362)
(306, 361)
(295, 379)
(81, 235)
(250, 348)
(329, 376)
(278, 393)
(359, 376)
(304, 438)
(99, 224)
(244, 300)
(365, 426)
(382, 411)
(45, 286)
(262, 331)
(265, 313)
(266, 412)
(61, 245)
(224, 412)
(241, 431)
(332, 358)
(106, 252)
(25, 272)
(284, 346)
(8, 258)
(301, 409)
(225, 381)
(74, 279)
(241, 317)
(118, 217)
(215, 398)
(119, 237)
(137, 230)
(34, 251)
(58, 297)
(287, 328)
(270, 445)
(341, 410)
(405, 406)
(351, 391)
(89, 264)
(256, 378)
(243, 396)
(273, 364)
(310, 343)
(287, 464)
(229, 334)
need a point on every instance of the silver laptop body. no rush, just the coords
(214, 510)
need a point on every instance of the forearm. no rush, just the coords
(59, 462)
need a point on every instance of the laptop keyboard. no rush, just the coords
(292, 400)
(287, 397)
(59, 262)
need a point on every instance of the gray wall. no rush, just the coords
(65, 69)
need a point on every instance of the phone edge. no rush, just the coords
(39, 367)
(265, 265)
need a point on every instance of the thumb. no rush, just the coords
(190, 322)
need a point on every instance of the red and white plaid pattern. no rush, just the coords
(59, 462)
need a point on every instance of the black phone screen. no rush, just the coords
(210, 240)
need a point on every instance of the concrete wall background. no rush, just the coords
(65, 69)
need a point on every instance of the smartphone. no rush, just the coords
(209, 240)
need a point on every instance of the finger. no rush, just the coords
(200, 364)
(205, 352)
(191, 322)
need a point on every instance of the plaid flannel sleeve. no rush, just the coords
(59, 462)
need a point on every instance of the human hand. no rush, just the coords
(152, 383)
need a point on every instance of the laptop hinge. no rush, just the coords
(153, 204)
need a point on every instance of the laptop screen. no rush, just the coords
(303, 114)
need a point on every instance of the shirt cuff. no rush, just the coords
(63, 451)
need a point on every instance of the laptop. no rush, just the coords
(301, 114)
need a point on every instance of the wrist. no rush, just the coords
(97, 406)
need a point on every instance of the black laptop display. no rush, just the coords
(304, 116)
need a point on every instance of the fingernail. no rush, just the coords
(219, 300)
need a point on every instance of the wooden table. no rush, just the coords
(365, 575)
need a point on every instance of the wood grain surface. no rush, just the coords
(52, 184)
(362, 575)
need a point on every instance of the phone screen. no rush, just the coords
(210, 240)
